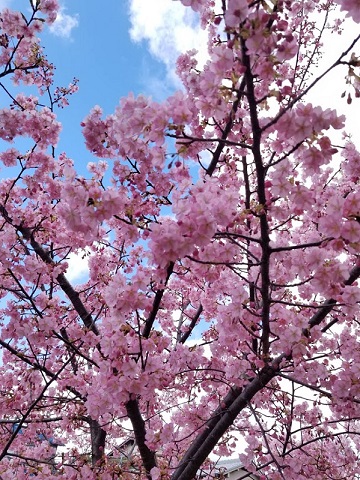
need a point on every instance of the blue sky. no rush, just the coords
(129, 46)
(124, 46)
(132, 46)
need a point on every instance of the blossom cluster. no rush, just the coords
(219, 230)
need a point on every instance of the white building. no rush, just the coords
(232, 469)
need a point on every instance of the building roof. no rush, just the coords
(229, 464)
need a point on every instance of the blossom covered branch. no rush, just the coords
(219, 312)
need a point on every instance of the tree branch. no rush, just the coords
(30, 408)
(237, 399)
(264, 226)
(224, 416)
(214, 161)
(195, 318)
(156, 304)
(147, 456)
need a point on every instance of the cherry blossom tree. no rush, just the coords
(222, 234)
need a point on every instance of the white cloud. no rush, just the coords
(327, 92)
(64, 24)
(78, 267)
(169, 29)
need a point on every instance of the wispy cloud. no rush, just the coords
(4, 4)
(168, 29)
(64, 24)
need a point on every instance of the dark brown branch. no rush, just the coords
(64, 284)
(239, 235)
(311, 85)
(265, 437)
(207, 430)
(37, 460)
(66, 339)
(147, 455)
(237, 399)
(30, 409)
(264, 226)
(297, 247)
(193, 322)
(71, 347)
(329, 325)
(156, 304)
(188, 140)
(224, 416)
(214, 161)
(98, 437)
(132, 406)
(37, 366)
(304, 384)
(330, 303)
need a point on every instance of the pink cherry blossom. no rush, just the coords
(195, 293)
(236, 13)
(352, 7)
